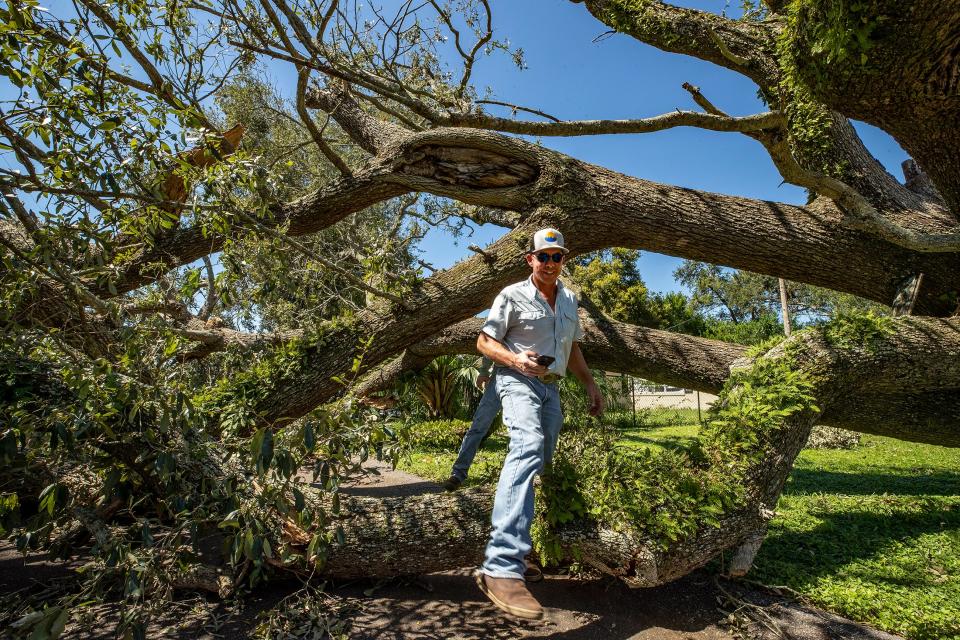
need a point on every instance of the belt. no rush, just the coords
(550, 378)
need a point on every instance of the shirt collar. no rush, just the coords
(533, 291)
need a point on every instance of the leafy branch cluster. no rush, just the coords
(667, 497)
(133, 465)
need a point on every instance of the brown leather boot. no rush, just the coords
(510, 595)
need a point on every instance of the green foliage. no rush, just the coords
(271, 287)
(611, 281)
(665, 496)
(46, 624)
(438, 435)
(308, 613)
(870, 533)
(445, 388)
(753, 10)
(820, 41)
(864, 330)
(753, 404)
(9, 512)
(730, 294)
(741, 296)
(670, 495)
(761, 331)
(178, 474)
(439, 383)
(834, 31)
(675, 313)
(634, 16)
(574, 400)
(760, 347)
(234, 397)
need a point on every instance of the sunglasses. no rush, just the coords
(546, 257)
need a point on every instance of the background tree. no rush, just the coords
(741, 296)
(612, 282)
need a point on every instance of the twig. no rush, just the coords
(519, 108)
(486, 256)
(303, 77)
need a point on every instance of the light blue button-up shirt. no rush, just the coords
(521, 318)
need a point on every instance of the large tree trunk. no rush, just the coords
(598, 208)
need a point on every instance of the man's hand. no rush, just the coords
(482, 381)
(525, 364)
(596, 399)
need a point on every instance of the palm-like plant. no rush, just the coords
(439, 381)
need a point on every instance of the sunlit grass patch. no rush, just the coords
(655, 429)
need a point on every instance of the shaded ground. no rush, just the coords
(449, 606)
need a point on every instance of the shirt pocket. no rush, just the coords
(569, 321)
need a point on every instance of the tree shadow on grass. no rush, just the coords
(807, 481)
(845, 537)
(674, 443)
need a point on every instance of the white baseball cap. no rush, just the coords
(548, 239)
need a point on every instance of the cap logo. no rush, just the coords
(550, 237)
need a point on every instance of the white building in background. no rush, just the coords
(644, 394)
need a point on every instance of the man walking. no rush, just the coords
(531, 334)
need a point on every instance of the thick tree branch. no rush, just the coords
(861, 213)
(371, 134)
(743, 46)
(697, 363)
(210, 300)
(623, 551)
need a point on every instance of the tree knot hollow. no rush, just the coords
(468, 167)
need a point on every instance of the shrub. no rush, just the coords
(443, 435)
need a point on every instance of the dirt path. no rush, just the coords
(449, 606)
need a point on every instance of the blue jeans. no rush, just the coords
(483, 418)
(531, 411)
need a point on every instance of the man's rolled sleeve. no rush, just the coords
(499, 318)
(578, 332)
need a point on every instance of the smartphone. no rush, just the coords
(544, 361)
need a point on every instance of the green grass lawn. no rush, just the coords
(434, 462)
(872, 533)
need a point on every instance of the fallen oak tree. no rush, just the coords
(128, 404)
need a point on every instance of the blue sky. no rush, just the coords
(570, 76)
